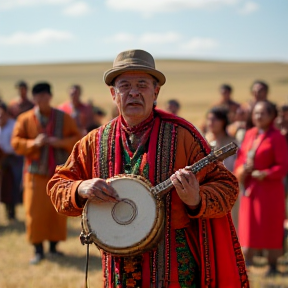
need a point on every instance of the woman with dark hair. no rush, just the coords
(216, 125)
(260, 168)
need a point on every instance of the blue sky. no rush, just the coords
(40, 31)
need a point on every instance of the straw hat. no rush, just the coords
(133, 60)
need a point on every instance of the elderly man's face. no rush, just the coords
(134, 94)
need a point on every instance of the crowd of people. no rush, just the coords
(35, 138)
(259, 128)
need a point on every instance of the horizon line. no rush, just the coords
(73, 62)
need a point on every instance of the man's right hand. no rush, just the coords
(98, 190)
(40, 140)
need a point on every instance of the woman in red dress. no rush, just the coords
(260, 168)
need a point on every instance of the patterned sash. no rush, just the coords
(49, 157)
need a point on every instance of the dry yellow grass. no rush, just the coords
(194, 83)
(69, 271)
(66, 272)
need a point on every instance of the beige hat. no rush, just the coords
(133, 60)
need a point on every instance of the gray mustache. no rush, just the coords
(135, 102)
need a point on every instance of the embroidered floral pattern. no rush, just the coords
(132, 272)
(187, 267)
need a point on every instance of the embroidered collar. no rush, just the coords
(133, 138)
(144, 125)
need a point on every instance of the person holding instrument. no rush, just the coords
(199, 246)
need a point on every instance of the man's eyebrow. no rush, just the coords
(122, 81)
(126, 81)
(142, 81)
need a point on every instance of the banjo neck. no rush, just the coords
(162, 188)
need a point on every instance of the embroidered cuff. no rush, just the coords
(194, 211)
(77, 202)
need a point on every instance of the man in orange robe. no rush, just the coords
(44, 136)
(199, 246)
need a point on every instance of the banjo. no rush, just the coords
(135, 223)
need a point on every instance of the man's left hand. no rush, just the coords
(187, 187)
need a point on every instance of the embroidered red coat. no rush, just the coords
(210, 234)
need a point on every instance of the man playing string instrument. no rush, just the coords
(201, 248)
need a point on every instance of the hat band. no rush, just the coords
(135, 62)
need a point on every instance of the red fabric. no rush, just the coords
(68, 108)
(174, 283)
(221, 253)
(261, 215)
(118, 154)
(220, 245)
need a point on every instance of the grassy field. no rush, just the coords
(69, 271)
(66, 272)
(194, 83)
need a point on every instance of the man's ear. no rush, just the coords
(157, 90)
(113, 93)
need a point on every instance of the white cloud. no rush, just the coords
(173, 42)
(120, 38)
(144, 39)
(249, 7)
(40, 37)
(157, 6)
(11, 4)
(198, 44)
(77, 9)
(159, 38)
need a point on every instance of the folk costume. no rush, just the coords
(199, 248)
(262, 203)
(42, 221)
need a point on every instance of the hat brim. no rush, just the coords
(111, 74)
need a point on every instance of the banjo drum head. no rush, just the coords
(124, 224)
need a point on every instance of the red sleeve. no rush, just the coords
(280, 167)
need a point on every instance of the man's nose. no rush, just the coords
(134, 92)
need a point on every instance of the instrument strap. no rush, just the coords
(87, 267)
(86, 240)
